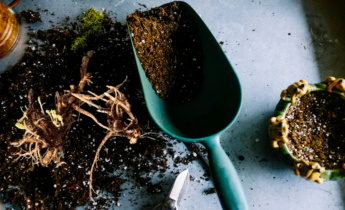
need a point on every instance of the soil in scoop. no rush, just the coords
(316, 129)
(50, 67)
(168, 47)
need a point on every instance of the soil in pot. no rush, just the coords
(168, 47)
(316, 129)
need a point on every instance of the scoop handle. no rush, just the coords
(225, 177)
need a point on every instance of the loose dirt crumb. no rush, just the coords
(31, 16)
(210, 191)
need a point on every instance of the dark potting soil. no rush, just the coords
(168, 47)
(210, 191)
(50, 67)
(316, 129)
(31, 16)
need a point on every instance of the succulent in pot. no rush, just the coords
(308, 129)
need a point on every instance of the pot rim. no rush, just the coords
(280, 111)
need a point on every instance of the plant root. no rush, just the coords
(120, 120)
(46, 130)
(117, 110)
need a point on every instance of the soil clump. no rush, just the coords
(31, 16)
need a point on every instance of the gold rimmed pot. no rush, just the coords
(308, 129)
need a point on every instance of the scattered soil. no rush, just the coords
(316, 129)
(210, 191)
(31, 16)
(169, 49)
(49, 66)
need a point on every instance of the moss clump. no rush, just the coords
(91, 23)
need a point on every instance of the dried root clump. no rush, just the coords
(120, 119)
(46, 131)
(43, 130)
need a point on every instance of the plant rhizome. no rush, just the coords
(168, 47)
(120, 120)
(316, 129)
(46, 131)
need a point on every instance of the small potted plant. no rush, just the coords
(308, 129)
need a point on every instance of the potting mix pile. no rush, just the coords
(316, 129)
(169, 49)
(49, 66)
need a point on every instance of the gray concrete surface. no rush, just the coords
(271, 44)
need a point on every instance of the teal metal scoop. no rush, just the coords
(207, 116)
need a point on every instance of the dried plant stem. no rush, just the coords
(84, 112)
(94, 163)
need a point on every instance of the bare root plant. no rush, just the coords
(46, 131)
(120, 120)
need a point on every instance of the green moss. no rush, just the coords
(91, 23)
